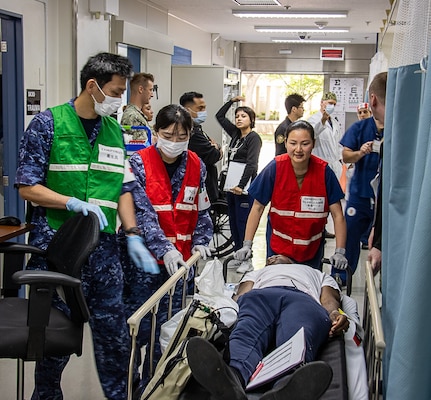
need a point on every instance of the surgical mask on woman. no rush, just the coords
(108, 106)
(201, 118)
(171, 149)
(330, 108)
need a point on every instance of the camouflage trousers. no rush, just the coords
(102, 282)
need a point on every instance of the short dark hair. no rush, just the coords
(249, 111)
(173, 114)
(140, 79)
(293, 100)
(300, 124)
(189, 97)
(102, 66)
(378, 86)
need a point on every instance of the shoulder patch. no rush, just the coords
(279, 139)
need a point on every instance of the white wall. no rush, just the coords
(191, 38)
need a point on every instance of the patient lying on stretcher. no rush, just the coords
(274, 303)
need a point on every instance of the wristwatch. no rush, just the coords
(133, 230)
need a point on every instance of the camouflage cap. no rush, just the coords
(329, 96)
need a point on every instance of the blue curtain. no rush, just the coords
(406, 270)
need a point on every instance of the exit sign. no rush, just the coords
(332, 53)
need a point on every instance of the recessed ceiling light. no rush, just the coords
(301, 29)
(257, 2)
(289, 14)
(309, 41)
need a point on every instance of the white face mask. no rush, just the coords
(330, 108)
(171, 149)
(108, 106)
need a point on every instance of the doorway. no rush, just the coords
(11, 110)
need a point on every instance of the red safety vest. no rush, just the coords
(178, 221)
(298, 216)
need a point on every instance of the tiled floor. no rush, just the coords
(80, 379)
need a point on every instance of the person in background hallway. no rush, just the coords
(141, 91)
(327, 133)
(207, 149)
(377, 95)
(48, 176)
(148, 112)
(294, 105)
(363, 111)
(172, 218)
(302, 190)
(244, 148)
(361, 145)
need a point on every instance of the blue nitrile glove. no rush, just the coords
(338, 260)
(76, 205)
(171, 260)
(140, 255)
(244, 253)
(204, 250)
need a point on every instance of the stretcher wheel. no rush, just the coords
(222, 240)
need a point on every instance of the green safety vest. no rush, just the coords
(76, 169)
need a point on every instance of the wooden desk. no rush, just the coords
(8, 232)
(11, 262)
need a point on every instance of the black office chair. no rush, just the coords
(31, 329)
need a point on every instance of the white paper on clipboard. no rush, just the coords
(278, 362)
(234, 175)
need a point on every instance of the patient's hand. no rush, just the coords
(340, 323)
(278, 259)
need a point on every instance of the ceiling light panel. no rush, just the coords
(257, 2)
(294, 30)
(289, 14)
(309, 41)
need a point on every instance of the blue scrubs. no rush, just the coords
(359, 212)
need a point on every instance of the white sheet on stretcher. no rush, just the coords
(355, 359)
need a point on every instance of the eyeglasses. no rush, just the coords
(300, 107)
(182, 136)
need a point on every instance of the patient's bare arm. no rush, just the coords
(244, 287)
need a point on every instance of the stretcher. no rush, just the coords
(374, 341)
(333, 352)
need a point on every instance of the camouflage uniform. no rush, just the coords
(139, 286)
(102, 277)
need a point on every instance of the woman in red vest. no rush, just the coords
(302, 190)
(172, 216)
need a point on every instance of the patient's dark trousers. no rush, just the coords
(271, 316)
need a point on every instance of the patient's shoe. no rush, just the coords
(308, 382)
(210, 370)
(245, 266)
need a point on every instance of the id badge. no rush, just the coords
(376, 146)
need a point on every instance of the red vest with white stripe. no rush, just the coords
(178, 221)
(298, 215)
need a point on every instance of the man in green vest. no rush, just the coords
(72, 159)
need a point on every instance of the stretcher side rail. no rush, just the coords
(374, 341)
(152, 305)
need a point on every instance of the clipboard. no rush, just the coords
(234, 175)
(284, 358)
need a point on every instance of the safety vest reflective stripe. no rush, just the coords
(186, 207)
(107, 168)
(184, 237)
(173, 239)
(105, 203)
(303, 242)
(68, 167)
(286, 213)
(163, 207)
